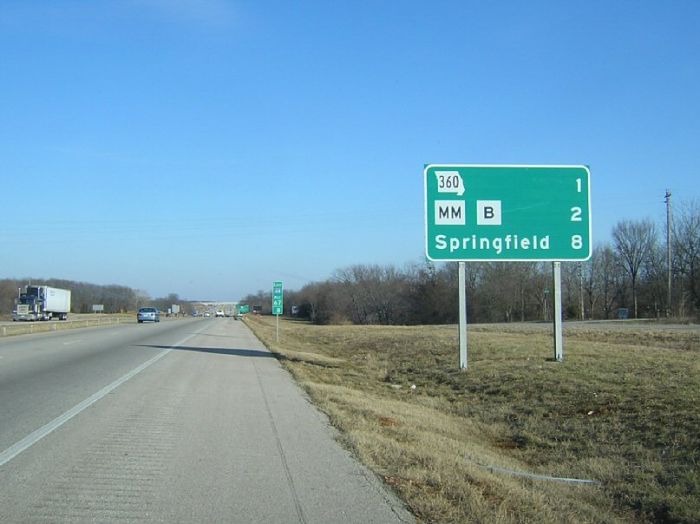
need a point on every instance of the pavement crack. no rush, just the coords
(280, 449)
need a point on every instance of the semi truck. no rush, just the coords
(41, 303)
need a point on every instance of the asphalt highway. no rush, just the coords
(184, 421)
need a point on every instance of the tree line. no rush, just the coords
(114, 298)
(628, 275)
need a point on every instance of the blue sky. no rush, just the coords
(209, 147)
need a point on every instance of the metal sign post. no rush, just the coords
(462, 317)
(557, 317)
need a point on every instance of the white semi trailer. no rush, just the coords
(42, 303)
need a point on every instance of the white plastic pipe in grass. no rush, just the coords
(534, 476)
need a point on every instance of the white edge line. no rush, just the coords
(56, 423)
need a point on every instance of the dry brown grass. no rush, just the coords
(622, 410)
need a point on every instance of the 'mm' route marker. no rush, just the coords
(507, 213)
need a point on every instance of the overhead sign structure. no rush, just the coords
(277, 298)
(507, 213)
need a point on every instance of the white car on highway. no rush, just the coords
(148, 314)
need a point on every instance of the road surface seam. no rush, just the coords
(280, 449)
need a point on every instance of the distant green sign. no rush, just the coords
(243, 309)
(277, 298)
(507, 213)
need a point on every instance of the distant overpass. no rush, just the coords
(213, 305)
(210, 303)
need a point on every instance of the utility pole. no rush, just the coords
(669, 260)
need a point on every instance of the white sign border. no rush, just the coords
(534, 166)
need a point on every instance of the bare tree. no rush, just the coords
(506, 291)
(686, 246)
(433, 292)
(633, 243)
(654, 280)
(608, 277)
(355, 283)
(570, 290)
(319, 302)
(376, 294)
(591, 269)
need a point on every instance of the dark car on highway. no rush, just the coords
(148, 314)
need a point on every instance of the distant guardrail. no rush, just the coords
(26, 328)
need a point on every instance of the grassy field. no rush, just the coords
(621, 410)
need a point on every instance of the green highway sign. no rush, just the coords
(243, 309)
(507, 212)
(277, 298)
